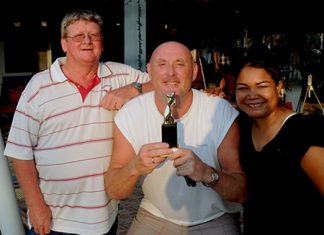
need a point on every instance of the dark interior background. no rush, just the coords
(190, 21)
(290, 27)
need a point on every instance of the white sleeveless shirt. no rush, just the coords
(202, 130)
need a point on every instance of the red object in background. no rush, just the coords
(289, 105)
(14, 95)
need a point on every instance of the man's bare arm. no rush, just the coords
(39, 212)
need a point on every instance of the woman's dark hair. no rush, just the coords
(264, 60)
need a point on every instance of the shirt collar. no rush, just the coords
(57, 74)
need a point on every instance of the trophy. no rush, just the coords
(169, 129)
(169, 126)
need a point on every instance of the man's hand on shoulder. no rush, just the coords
(217, 90)
(115, 99)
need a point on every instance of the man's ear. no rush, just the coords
(148, 68)
(279, 86)
(63, 44)
(195, 71)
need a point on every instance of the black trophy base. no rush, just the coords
(169, 134)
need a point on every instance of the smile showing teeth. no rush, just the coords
(255, 105)
(171, 83)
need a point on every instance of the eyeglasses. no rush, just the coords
(81, 37)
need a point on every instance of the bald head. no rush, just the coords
(171, 48)
(172, 69)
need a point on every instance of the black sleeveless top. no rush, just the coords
(281, 197)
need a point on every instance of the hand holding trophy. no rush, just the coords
(169, 130)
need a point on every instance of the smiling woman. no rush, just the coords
(282, 154)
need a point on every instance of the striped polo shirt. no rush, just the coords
(70, 140)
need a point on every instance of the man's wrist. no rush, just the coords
(213, 179)
(138, 86)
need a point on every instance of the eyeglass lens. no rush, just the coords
(81, 37)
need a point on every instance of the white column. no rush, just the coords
(10, 218)
(135, 33)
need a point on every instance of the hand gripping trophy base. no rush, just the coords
(169, 131)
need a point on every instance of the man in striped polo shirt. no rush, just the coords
(61, 135)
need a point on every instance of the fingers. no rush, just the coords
(156, 160)
(149, 154)
(155, 149)
(116, 106)
(178, 153)
(114, 99)
(110, 103)
(41, 218)
(42, 229)
(183, 158)
(168, 155)
(214, 91)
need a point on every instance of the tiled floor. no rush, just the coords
(127, 210)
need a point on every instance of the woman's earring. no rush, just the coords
(282, 94)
